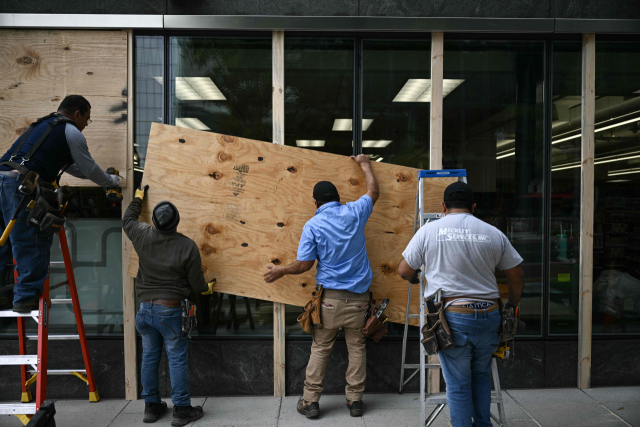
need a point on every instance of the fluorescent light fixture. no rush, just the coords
(505, 155)
(597, 130)
(310, 142)
(191, 123)
(347, 124)
(624, 172)
(618, 180)
(197, 89)
(380, 159)
(372, 143)
(606, 159)
(502, 142)
(419, 90)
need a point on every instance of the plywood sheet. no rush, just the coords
(245, 202)
(38, 68)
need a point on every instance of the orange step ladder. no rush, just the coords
(38, 363)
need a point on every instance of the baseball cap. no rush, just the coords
(165, 216)
(324, 191)
(458, 191)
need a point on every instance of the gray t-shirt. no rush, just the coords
(460, 254)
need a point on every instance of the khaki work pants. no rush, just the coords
(349, 315)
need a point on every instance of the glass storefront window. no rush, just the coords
(564, 224)
(493, 128)
(396, 101)
(616, 238)
(318, 104)
(94, 233)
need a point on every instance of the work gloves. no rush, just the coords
(141, 192)
(210, 284)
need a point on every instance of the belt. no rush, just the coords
(346, 295)
(449, 299)
(10, 174)
(171, 303)
(465, 310)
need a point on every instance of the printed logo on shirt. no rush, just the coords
(461, 235)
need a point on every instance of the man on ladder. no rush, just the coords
(459, 254)
(52, 145)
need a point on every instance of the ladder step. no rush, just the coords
(11, 313)
(55, 337)
(56, 263)
(417, 365)
(61, 371)
(19, 359)
(17, 408)
(441, 399)
(61, 301)
(416, 316)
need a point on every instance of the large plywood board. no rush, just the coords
(38, 68)
(245, 203)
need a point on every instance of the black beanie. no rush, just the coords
(324, 191)
(165, 216)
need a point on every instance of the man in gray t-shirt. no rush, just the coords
(460, 254)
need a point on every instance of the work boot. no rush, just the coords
(308, 409)
(153, 411)
(355, 407)
(27, 306)
(183, 415)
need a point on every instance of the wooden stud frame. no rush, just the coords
(435, 149)
(586, 209)
(128, 294)
(277, 53)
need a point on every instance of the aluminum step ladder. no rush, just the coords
(438, 399)
(38, 362)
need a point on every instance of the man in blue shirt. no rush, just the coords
(335, 237)
(64, 148)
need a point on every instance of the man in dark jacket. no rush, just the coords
(63, 149)
(169, 270)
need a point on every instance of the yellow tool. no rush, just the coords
(27, 187)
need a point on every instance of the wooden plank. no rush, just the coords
(586, 209)
(279, 331)
(245, 202)
(435, 149)
(128, 285)
(38, 68)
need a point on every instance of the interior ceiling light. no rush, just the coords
(598, 130)
(191, 123)
(606, 159)
(310, 142)
(347, 124)
(504, 154)
(502, 142)
(419, 90)
(379, 160)
(624, 172)
(197, 89)
(372, 143)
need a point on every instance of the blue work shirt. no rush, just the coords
(335, 237)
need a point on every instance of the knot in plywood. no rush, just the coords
(354, 182)
(216, 175)
(212, 229)
(26, 60)
(275, 261)
(207, 249)
(224, 157)
(387, 269)
(403, 177)
(292, 169)
(228, 139)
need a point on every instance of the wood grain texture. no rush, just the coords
(38, 68)
(279, 332)
(435, 157)
(128, 285)
(245, 219)
(586, 210)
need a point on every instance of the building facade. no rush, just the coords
(512, 113)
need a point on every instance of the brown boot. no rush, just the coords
(355, 407)
(308, 409)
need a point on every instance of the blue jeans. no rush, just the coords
(157, 323)
(467, 366)
(28, 245)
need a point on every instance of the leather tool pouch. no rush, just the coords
(46, 214)
(508, 324)
(375, 328)
(311, 316)
(189, 319)
(436, 337)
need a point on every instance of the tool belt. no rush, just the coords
(45, 213)
(375, 328)
(311, 316)
(189, 320)
(508, 324)
(436, 335)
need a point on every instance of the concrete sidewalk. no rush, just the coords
(611, 407)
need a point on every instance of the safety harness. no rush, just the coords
(45, 213)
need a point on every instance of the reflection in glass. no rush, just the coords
(564, 226)
(493, 128)
(396, 101)
(318, 105)
(222, 85)
(148, 97)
